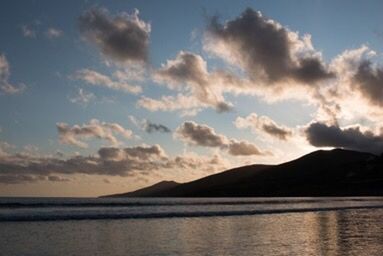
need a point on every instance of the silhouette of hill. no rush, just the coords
(148, 191)
(336, 172)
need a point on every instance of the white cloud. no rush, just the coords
(28, 31)
(82, 97)
(74, 135)
(5, 86)
(53, 33)
(94, 78)
(187, 104)
(188, 72)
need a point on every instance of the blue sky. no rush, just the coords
(47, 54)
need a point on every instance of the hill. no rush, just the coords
(336, 172)
(148, 191)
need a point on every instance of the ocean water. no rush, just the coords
(198, 226)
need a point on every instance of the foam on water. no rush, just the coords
(58, 209)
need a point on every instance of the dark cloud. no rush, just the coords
(276, 131)
(145, 152)
(17, 179)
(243, 148)
(222, 107)
(322, 135)
(264, 124)
(265, 49)
(111, 161)
(108, 161)
(203, 135)
(124, 37)
(57, 178)
(109, 153)
(310, 70)
(369, 81)
(151, 127)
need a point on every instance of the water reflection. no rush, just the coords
(357, 232)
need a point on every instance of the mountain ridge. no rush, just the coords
(336, 172)
(142, 192)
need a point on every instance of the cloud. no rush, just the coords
(265, 49)
(34, 29)
(4, 146)
(200, 134)
(368, 80)
(73, 135)
(53, 33)
(353, 138)
(82, 97)
(94, 78)
(187, 104)
(123, 38)
(5, 86)
(148, 126)
(186, 67)
(152, 127)
(264, 124)
(277, 63)
(192, 161)
(132, 73)
(17, 179)
(243, 148)
(57, 178)
(359, 74)
(139, 152)
(205, 136)
(200, 88)
(28, 31)
(188, 72)
(109, 161)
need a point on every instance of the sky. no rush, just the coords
(101, 97)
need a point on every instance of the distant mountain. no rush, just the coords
(149, 191)
(336, 172)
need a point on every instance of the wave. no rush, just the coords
(173, 202)
(111, 215)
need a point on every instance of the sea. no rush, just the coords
(192, 226)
